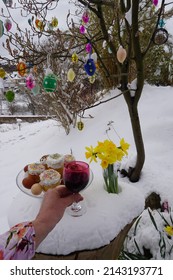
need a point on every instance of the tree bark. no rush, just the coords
(134, 174)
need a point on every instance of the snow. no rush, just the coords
(148, 236)
(106, 213)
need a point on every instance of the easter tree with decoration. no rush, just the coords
(115, 38)
(121, 34)
(118, 25)
(67, 98)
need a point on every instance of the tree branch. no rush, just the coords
(102, 102)
(152, 36)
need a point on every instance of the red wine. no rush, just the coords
(76, 176)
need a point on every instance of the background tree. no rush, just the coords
(128, 19)
(114, 23)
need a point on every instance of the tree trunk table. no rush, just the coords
(107, 252)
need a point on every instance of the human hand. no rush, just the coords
(52, 210)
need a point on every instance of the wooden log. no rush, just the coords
(107, 252)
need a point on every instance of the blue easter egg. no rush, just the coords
(90, 67)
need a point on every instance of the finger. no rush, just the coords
(63, 191)
(78, 197)
(72, 198)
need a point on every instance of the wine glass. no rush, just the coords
(76, 176)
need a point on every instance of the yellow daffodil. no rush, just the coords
(104, 164)
(91, 154)
(169, 230)
(107, 152)
(124, 146)
(120, 154)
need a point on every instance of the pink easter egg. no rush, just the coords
(82, 29)
(88, 48)
(30, 82)
(8, 24)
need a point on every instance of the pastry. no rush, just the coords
(68, 158)
(49, 179)
(34, 170)
(43, 160)
(56, 161)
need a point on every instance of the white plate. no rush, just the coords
(22, 174)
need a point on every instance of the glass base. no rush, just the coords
(76, 209)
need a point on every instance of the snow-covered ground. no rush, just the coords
(20, 147)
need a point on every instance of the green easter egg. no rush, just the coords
(36, 90)
(1, 28)
(9, 95)
(49, 83)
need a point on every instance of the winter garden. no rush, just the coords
(108, 103)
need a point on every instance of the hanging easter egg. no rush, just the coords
(8, 24)
(39, 24)
(160, 36)
(88, 48)
(109, 50)
(8, 3)
(29, 65)
(80, 125)
(36, 90)
(49, 26)
(90, 67)
(94, 57)
(97, 65)
(35, 69)
(1, 28)
(155, 2)
(21, 68)
(82, 29)
(121, 54)
(92, 79)
(2, 73)
(74, 58)
(30, 21)
(71, 75)
(104, 44)
(30, 82)
(161, 22)
(54, 22)
(9, 95)
(50, 81)
(85, 17)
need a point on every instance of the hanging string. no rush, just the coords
(48, 60)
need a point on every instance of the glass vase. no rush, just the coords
(110, 176)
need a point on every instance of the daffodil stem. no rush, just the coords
(111, 179)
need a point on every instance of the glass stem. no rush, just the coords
(76, 206)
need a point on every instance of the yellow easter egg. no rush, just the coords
(2, 73)
(71, 75)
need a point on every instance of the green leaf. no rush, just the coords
(163, 219)
(8, 239)
(170, 250)
(152, 219)
(136, 244)
(136, 224)
(171, 219)
(162, 246)
(130, 256)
